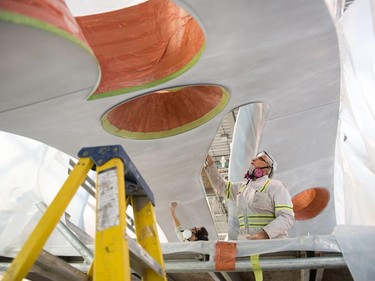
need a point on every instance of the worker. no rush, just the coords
(264, 206)
(187, 235)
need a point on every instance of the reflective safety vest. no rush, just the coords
(261, 204)
(254, 222)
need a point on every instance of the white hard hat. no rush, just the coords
(269, 159)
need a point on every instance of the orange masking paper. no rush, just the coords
(164, 110)
(225, 257)
(139, 45)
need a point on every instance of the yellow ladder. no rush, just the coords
(118, 185)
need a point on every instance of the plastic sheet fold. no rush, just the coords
(358, 248)
(324, 243)
(355, 147)
(30, 173)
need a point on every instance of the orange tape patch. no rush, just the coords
(225, 258)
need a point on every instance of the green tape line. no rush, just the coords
(258, 273)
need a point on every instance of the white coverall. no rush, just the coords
(261, 204)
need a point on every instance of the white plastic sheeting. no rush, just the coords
(324, 243)
(355, 169)
(31, 172)
(355, 151)
(358, 248)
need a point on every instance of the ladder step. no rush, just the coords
(140, 260)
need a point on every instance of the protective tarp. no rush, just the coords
(355, 169)
(30, 173)
(324, 243)
(355, 151)
(358, 248)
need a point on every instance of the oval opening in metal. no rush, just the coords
(310, 203)
(166, 112)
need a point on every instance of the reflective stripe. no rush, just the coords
(242, 187)
(266, 219)
(257, 224)
(253, 224)
(260, 219)
(258, 216)
(265, 186)
(283, 207)
(256, 220)
(241, 221)
(261, 216)
(227, 191)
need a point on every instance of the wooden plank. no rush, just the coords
(50, 267)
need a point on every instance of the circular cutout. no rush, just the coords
(141, 46)
(165, 113)
(310, 203)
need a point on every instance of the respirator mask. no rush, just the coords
(187, 233)
(254, 172)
